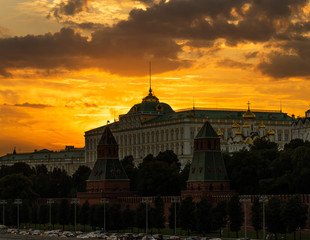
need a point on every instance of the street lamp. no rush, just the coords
(245, 199)
(18, 202)
(50, 202)
(264, 199)
(146, 200)
(75, 201)
(175, 200)
(104, 201)
(3, 202)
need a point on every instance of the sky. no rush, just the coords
(67, 66)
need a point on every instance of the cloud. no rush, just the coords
(292, 61)
(250, 55)
(233, 64)
(154, 34)
(90, 105)
(69, 8)
(29, 105)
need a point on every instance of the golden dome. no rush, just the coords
(238, 133)
(271, 132)
(150, 97)
(220, 133)
(245, 125)
(261, 125)
(248, 115)
(235, 125)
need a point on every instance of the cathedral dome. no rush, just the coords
(262, 125)
(238, 133)
(245, 125)
(150, 104)
(235, 126)
(271, 132)
(248, 115)
(220, 133)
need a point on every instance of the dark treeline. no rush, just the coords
(266, 170)
(261, 170)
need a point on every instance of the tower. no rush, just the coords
(208, 176)
(108, 175)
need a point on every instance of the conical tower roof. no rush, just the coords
(108, 167)
(207, 164)
(107, 138)
(207, 131)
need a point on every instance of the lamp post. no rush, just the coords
(104, 201)
(18, 202)
(3, 202)
(264, 199)
(175, 200)
(50, 202)
(245, 199)
(75, 201)
(146, 200)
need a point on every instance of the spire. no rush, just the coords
(150, 70)
(248, 115)
(14, 152)
(150, 97)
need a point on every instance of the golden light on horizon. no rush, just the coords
(69, 66)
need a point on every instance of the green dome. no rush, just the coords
(151, 107)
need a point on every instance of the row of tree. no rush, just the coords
(281, 216)
(261, 170)
(266, 170)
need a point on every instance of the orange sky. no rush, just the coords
(69, 66)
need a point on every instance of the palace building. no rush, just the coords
(152, 126)
(301, 127)
(68, 159)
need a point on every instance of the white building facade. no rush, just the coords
(151, 127)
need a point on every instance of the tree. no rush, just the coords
(295, 214)
(64, 209)
(17, 186)
(129, 216)
(172, 209)
(219, 214)
(93, 215)
(187, 214)
(256, 212)
(114, 216)
(234, 210)
(159, 177)
(43, 214)
(140, 216)
(79, 178)
(157, 213)
(204, 216)
(34, 215)
(131, 171)
(84, 214)
(274, 216)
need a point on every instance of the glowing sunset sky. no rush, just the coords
(69, 66)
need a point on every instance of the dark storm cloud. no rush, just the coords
(293, 61)
(153, 34)
(69, 8)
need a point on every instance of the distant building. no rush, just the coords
(301, 127)
(152, 126)
(68, 159)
